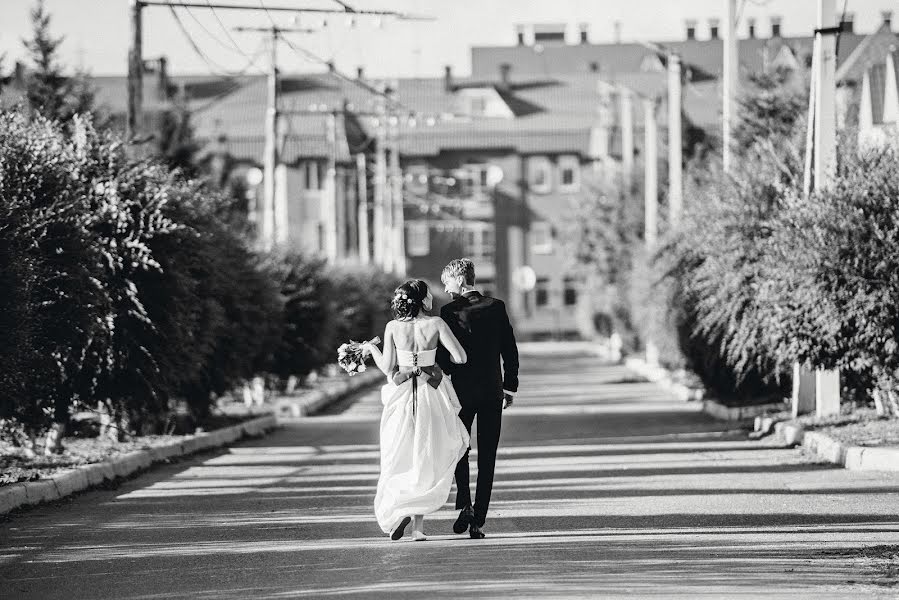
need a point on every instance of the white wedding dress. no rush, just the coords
(422, 439)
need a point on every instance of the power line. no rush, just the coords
(208, 32)
(224, 27)
(317, 59)
(212, 65)
(328, 11)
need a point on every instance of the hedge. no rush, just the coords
(126, 290)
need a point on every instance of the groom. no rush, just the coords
(482, 326)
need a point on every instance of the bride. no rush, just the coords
(422, 437)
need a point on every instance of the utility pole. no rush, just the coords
(827, 383)
(820, 389)
(730, 83)
(270, 155)
(135, 71)
(274, 219)
(396, 194)
(362, 206)
(650, 173)
(626, 99)
(675, 140)
(380, 178)
(328, 208)
(651, 194)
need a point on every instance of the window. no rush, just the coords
(539, 174)
(480, 241)
(418, 239)
(542, 292)
(541, 238)
(569, 174)
(312, 176)
(570, 291)
(480, 179)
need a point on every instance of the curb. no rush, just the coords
(854, 458)
(663, 377)
(710, 406)
(81, 478)
(738, 413)
(573, 348)
(313, 401)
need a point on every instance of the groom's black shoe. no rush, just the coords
(475, 532)
(466, 519)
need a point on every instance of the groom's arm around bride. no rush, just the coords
(483, 327)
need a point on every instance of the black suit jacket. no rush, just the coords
(482, 326)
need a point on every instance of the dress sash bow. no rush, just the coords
(433, 378)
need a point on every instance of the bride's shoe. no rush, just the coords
(417, 527)
(400, 529)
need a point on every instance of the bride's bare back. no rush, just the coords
(417, 335)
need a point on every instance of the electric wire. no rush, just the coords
(214, 67)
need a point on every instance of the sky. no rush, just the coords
(96, 31)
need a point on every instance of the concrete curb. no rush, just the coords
(313, 401)
(665, 378)
(855, 458)
(572, 348)
(712, 407)
(738, 413)
(81, 478)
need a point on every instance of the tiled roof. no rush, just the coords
(871, 50)
(554, 117)
(551, 59)
(111, 92)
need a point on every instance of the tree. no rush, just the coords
(773, 108)
(174, 140)
(48, 90)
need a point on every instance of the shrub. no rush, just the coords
(49, 311)
(834, 272)
(124, 286)
(307, 339)
(361, 302)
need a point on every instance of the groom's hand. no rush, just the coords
(507, 400)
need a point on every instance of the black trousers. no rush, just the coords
(489, 425)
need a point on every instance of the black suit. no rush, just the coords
(482, 326)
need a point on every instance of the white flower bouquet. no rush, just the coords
(351, 355)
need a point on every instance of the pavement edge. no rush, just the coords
(854, 458)
(669, 381)
(311, 402)
(83, 477)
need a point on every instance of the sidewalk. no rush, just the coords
(304, 402)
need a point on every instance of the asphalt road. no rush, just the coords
(606, 487)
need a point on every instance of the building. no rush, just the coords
(867, 87)
(484, 169)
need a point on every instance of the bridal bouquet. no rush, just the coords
(351, 356)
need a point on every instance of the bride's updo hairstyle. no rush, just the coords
(408, 298)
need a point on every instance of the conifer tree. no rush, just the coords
(48, 90)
